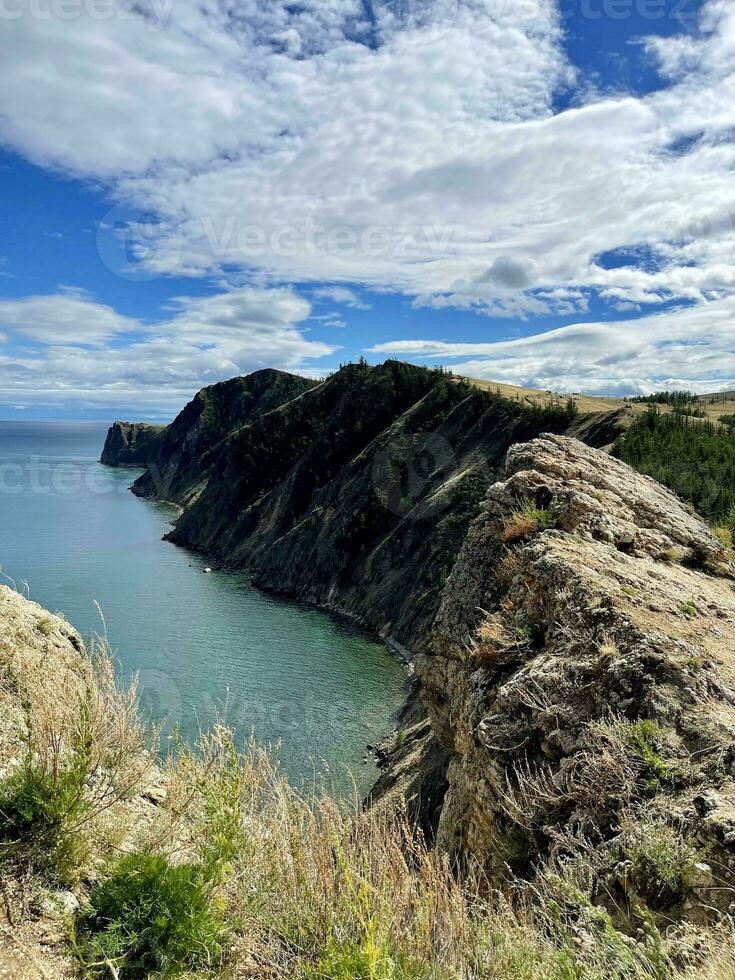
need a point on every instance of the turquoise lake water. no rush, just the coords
(202, 644)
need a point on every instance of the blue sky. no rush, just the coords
(535, 192)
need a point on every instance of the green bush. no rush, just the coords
(662, 862)
(645, 739)
(43, 802)
(151, 917)
(36, 804)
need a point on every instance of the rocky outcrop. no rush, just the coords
(582, 669)
(132, 444)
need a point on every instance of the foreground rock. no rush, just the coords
(581, 674)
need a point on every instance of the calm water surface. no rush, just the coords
(201, 644)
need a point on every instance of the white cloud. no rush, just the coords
(342, 295)
(69, 317)
(692, 348)
(204, 340)
(411, 146)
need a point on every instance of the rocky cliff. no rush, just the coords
(179, 467)
(354, 493)
(132, 444)
(581, 677)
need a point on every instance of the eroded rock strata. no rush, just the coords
(582, 668)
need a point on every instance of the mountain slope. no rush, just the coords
(214, 412)
(357, 495)
(354, 493)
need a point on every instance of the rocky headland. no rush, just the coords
(570, 743)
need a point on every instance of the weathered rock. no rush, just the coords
(551, 643)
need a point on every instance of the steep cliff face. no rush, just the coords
(356, 495)
(132, 444)
(179, 466)
(581, 674)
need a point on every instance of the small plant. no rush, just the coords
(530, 634)
(45, 625)
(43, 802)
(672, 556)
(525, 521)
(608, 648)
(151, 917)
(492, 639)
(724, 536)
(689, 608)
(369, 959)
(662, 862)
(629, 591)
(644, 740)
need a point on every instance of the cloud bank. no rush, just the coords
(411, 146)
(86, 354)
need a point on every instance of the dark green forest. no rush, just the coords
(695, 459)
(682, 401)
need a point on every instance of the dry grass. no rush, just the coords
(525, 521)
(534, 397)
(713, 405)
(307, 886)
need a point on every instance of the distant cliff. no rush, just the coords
(132, 444)
(175, 470)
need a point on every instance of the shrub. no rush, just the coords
(724, 536)
(644, 739)
(43, 801)
(149, 916)
(36, 811)
(662, 862)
